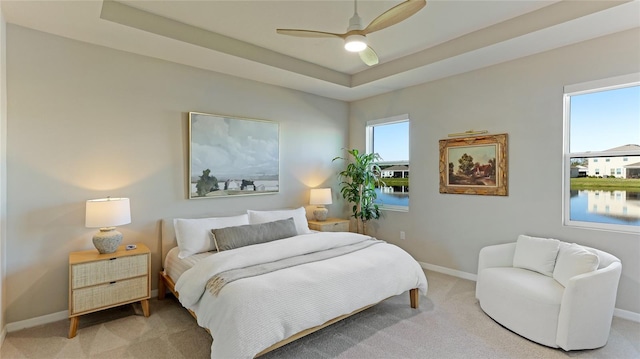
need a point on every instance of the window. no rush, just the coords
(602, 121)
(389, 138)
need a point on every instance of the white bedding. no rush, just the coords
(251, 314)
(174, 266)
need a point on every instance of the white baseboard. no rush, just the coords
(620, 313)
(626, 314)
(54, 317)
(45, 319)
(34, 322)
(449, 271)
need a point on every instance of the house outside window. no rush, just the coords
(602, 127)
(389, 137)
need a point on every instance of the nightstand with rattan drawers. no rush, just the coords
(101, 281)
(330, 225)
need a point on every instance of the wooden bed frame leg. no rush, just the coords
(162, 288)
(414, 296)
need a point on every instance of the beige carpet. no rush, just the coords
(449, 324)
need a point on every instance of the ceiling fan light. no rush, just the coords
(355, 43)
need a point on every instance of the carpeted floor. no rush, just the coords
(449, 324)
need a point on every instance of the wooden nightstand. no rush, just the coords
(101, 281)
(330, 225)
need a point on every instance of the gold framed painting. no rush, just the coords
(474, 165)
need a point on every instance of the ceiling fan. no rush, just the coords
(355, 37)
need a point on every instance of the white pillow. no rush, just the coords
(194, 235)
(573, 260)
(536, 254)
(299, 216)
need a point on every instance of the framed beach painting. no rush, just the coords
(231, 156)
(474, 165)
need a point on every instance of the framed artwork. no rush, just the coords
(474, 165)
(230, 156)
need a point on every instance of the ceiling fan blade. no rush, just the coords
(369, 56)
(394, 15)
(307, 33)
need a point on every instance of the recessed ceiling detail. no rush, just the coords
(238, 37)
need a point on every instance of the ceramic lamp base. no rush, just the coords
(107, 240)
(320, 214)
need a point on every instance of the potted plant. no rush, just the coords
(357, 186)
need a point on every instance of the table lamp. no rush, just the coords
(106, 213)
(320, 197)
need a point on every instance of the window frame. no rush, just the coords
(369, 149)
(601, 85)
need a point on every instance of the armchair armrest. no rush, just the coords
(500, 255)
(587, 308)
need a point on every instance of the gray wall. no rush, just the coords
(3, 171)
(522, 98)
(88, 122)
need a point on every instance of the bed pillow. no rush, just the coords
(573, 260)
(299, 216)
(536, 254)
(194, 235)
(240, 236)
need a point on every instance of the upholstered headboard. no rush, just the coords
(168, 236)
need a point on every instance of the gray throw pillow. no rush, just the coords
(245, 235)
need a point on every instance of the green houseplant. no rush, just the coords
(357, 186)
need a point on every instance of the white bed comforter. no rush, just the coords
(251, 314)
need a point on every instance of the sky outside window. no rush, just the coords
(605, 119)
(391, 141)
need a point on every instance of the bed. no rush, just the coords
(276, 291)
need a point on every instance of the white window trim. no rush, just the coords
(611, 83)
(369, 149)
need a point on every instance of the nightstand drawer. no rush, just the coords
(330, 225)
(105, 295)
(110, 270)
(336, 227)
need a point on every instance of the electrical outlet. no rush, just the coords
(402, 237)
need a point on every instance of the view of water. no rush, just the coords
(612, 207)
(393, 197)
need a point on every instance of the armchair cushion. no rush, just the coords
(524, 301)
(536, 254)
(572, 260)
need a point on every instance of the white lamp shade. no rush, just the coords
(320, 196)
(107, 212)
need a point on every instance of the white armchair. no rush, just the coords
(576, 315)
